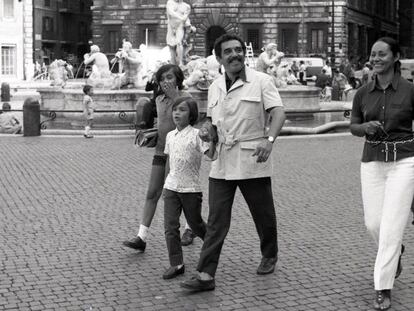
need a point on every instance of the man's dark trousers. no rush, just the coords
(258, 194)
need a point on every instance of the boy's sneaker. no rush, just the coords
(136, 243)
(87, 136)
(187, 238)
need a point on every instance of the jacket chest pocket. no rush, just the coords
(250, 107)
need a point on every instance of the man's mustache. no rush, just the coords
(239, 58)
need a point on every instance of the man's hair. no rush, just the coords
(224, 38)
(178, 73)
(86, 88)
(192, 106)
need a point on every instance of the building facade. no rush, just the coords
(61, 30)
(406, 16)
(16, 40)
(301, 28)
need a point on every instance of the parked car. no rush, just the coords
(407, 66)
(314, 65)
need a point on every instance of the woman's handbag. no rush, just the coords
(146, 138)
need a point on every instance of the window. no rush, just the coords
(8, 60)
(47, 24)
(147, 33)
(253, 34)
(113, 42)
(47, 3)
(317, 40)
(82, 5)
(83, 32)
(288, 39)
(8, 8)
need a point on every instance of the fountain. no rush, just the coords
(116, 95)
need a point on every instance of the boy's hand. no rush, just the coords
(170, 89)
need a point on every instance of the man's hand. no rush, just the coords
(208, 133)
(263, 150)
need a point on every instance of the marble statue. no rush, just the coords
(178, 30)
(100, 76)
(131, 61)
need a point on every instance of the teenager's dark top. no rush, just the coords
(394, 108)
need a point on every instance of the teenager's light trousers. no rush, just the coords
(387, 194)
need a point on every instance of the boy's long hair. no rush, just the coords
(178, 73)
(192, 106)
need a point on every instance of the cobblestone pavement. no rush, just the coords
(67, 203)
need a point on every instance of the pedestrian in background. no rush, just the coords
(339, 82)
(383, 111)
(239, 103)
(302, 73)
(9, 124)
(170, 78)
(88, 110)
(295, 69)
(182, 189)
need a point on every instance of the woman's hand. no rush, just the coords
(372, 127)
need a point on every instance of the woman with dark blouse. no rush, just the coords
(383, 111)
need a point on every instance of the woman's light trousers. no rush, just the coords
(387, 194)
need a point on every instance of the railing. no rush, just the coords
(122, 114)
(52, 115)
(345, 111)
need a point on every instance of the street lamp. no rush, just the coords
(303, 26)
(333, 36)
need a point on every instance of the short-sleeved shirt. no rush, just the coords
(240, 117)
(394, 108)
(165, 121)
(185, 150)
(88, 107)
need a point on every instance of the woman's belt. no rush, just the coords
(393, 144)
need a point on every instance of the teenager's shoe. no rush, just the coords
(267, 265)
(400, 267)
(196, 285)
(187, 238)
(382, 299)
(136, 243)
(172, 272)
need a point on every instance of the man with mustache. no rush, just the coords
(239, 104)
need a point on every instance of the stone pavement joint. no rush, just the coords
(67, 204)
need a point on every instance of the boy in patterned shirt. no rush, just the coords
(182, 189)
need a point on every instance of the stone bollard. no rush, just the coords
(5, 92)
(31, 117)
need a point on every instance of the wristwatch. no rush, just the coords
(271, 139)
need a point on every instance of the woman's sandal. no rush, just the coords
(382, 299)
